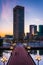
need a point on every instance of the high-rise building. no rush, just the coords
(33, 29)
(18, 22)
(40, 29)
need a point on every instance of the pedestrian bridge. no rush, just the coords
(19, 56)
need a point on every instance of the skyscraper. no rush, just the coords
(41, 30)
(33, 29)
(18, 22)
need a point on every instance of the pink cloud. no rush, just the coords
(6, 17)
(6, 11)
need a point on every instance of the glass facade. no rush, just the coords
(41, 30)
(33, 29)
(18, 22)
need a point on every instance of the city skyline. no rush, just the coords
(33, 14)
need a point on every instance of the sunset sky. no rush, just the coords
(33, 14)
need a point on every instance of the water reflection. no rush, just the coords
(5, 54)
(8, 53)
(33, 53)
(41, 61)
(41, 52)
(1, 53)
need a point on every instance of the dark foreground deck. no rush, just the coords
(19, 56)
(31, 48)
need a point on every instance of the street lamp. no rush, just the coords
(11, 47)
(4, 59)
(28, 47)
(14, 44)
(38, 58)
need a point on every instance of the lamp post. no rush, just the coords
(4, 59)
(11, 47)
(38, 58)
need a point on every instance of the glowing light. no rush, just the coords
(11, 47)
(4, 59)
(38, 58)
(28, 47)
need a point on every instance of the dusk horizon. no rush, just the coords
(33, 14)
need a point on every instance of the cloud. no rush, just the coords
(36, 21)
(6, 12)
(6, 17)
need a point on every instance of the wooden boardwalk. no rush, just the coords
(19, 56)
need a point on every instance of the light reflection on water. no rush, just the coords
(40, 62)
(7, 55)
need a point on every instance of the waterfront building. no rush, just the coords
(33, 29)
(40, 33)
(18, 23)
(41, 30)
(8, 36)
(29, 36)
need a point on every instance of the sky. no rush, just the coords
(33, 14)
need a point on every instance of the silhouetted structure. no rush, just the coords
(33, 29)
(8, 36)
(40, 33)
(18, 23)
(1, 42)
(41, 30)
